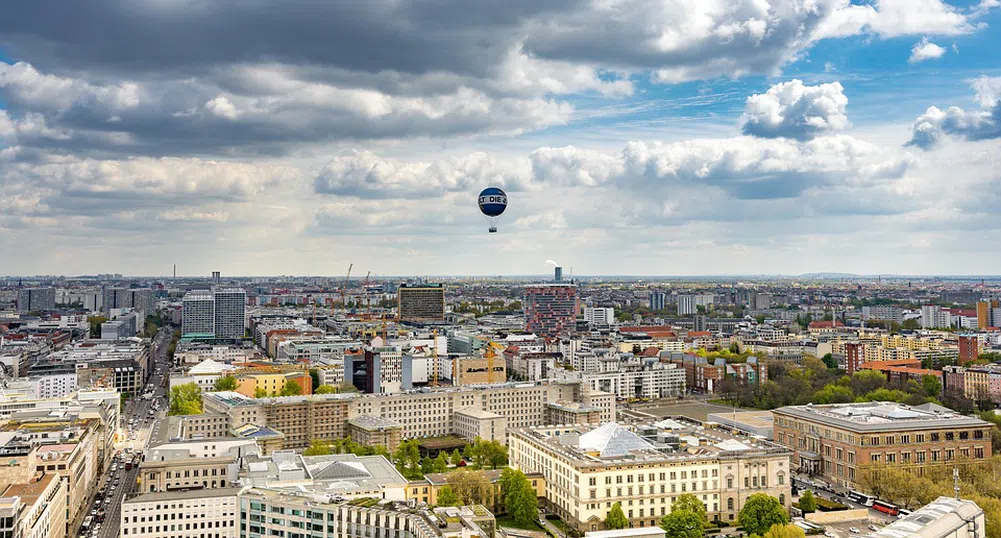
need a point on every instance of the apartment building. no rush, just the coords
(182, 514)
(427, 413)
(196, 464)
(36, 299)
(588, 469)
(655, 380)
(421, 302)
(550, 309)
(34, 509)
(833, 441)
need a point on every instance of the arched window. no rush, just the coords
(729, 505)
(782, 499)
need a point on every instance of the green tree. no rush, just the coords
(932, 386)
(123, 398)
(440, 463)
(314, 374)
(260, 393)
(407, 458)
(291, 388)
(186, 399)
(615, 518)
(226, 382)
(683, 524)
(690, 503)
(427, 465)
(455, 458)
(784, 531)
(832, 393)
(447, 497)
(490, 453)
(471, 487)
(519, 497)
(830, 361)
(911, 324)
(760, 512)
(807, 502)
(324, 389)
(95, 325)
(318, 448)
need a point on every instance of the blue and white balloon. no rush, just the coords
(492, 202)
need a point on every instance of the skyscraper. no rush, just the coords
(969, 348)
(550, 309)
(421, 302)
(36, 299)
(657, 300)
(141, 301)
(216, 277)
(230, 312)
(198, 313)
(116, 298)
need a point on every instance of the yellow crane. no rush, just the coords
(490, 355)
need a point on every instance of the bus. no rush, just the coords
(885, 507)
(860, 498)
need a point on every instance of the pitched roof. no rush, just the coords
(612, 440)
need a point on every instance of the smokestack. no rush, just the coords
(558, 274)
(175, 270)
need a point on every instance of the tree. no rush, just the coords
(124, 397)
(226, 382)
(408, 459)
(471, 487)
(490, 453)
(519, 497)
(784, 531)
(760, 512)
(456, 458)
(325, 389)
(186, 399)
(932, 386)
(447, 497)
(807, 502)
(683, 524)
(318, 448)
(690, 503)
(911, 324)
(615, 518)
(260, 393)
(291, 388)
(315, 375)
(440, 463)
(830, 361)
(95, 325)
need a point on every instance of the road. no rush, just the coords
(135, 438)
(874, 515)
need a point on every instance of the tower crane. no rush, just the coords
(368, 301)
(344, 286)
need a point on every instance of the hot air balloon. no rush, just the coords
(493, 202)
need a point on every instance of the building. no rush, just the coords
(689, 304)
(36, 299)
(658, 300)
(34, 509)
(379, 370)
(213, 512)
(588, 469)
(988, 311)
(854, 357)
(756, 423)
(833, 441)
(599, 315)
(271, 381)
(421, 302)
(123, 375)
(935, 317)
(945, 517)
(648, 381)
(216, 278)
(478, 370)
(198, 314)
(550, 309)
(428, 413)
(194, 464)
(230, 312)
(112, 298)
(374, 431)
(892, 314)
(143, 303)
(472, 423)
(426, 490)
(969, 348)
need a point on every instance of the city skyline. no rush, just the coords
(699, 138)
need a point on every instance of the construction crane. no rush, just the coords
(343, 287)
(434, 363)
(368, 301)
(489, 355)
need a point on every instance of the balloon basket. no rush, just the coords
(492, 230)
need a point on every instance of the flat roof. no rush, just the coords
(183, 495)
(879, 416)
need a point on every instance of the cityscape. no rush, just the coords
(518, 269)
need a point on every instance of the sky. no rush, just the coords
(633, 137)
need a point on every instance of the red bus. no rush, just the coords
(885, 507)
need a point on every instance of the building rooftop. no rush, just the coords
(477, 413)
(182, 495)
(940, 518)
(373, 423)
(879, 416)
(334, 474)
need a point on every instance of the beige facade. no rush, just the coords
(426, 489)
(37, 509)
(573, 413)
(582, 486)
(478, 370)
(374, 431)
(212, 513)
(472, 423)
(173, 475)
(204, 425)
(77, 464)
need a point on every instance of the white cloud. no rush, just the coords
(894, 18)
(795, 110)
(925, 50)
(983, 124)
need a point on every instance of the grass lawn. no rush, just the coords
(507, 521)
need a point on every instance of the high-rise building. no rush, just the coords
(986, 313)
(115, 298)
(969, 348)
(421, 302)
(935, 317)
(36, 299)
(558, 274)
(599, 315)
(550, 309)
(216, 277)
(854, 356)
(658, 299)
(198, 313)
(230, 312)
(142, 302)
(689, 304)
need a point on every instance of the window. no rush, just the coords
(729, 504)
(729, 482)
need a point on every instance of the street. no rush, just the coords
(139, 426)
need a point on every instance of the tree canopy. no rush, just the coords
(683, 524)
(447, 497)
(318, 448)
(784, 531)
(807, 502)
(760, 513)
(226, 382)
(291, 388)
(186, 399)
(519, 497)
(615, 518)
(324, 389)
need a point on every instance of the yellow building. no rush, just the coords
(426, 489)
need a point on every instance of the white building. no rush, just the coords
(188, 514)
(656, 381)
(945, 517)
(54, 385)
(689, 304)
(933, 317)
(599, 315)
(203, 374)
(198, 313)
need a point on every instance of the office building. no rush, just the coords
(599, 315)
(230, 312)
(216, 278)
(35, 508)
(658, 300)
(550, 309)
(182, 514)
(115, 298)
(378, 370)
(421, 302)
(557, 274)
(36, 299)
(198, 314)
(987, 313)
(195, 464)
(832, 441)
(969, 348)
(142, 302)
(945, 517)
(588, 469)
(689, 304)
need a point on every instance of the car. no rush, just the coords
(854, 530)
(830, 534)
(873, 528)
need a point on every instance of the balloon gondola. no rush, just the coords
(492, 202)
